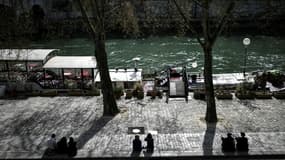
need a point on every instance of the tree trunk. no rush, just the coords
(110, 105)
(211, 114)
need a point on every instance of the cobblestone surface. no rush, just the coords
(27, 124)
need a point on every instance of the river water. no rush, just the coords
(157, 53)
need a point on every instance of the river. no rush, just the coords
(156, 53)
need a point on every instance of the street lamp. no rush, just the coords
(136, 59)
(194, 64)
(246, 42)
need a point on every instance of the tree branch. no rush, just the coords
(85, 16)
(191, 27)
(223, 21)
(205, 21)
(95, 11)
(100, 17)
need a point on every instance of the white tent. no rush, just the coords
(71, 62)
(122, 75)
(25, 54)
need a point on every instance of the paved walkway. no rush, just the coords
(181, 131)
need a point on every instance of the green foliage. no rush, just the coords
(118, 92)
(8, 25)
(244, 91)
(75, 93)
(221, 93)
(199, 94)
(93, 92)
(129, 94)
(140, 95)
(279, 94)
(49, 93)
(124, 18)
(244, 87)
(138, 87)
(137, 90)
(70, 84)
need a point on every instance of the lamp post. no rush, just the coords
(136, 59)
(246, 42)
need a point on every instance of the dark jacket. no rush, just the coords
(242, 144)
(137, 145)
(150, 145)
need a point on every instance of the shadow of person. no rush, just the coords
(147, 153)
(209, 139)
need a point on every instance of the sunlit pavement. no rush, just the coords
(181, 130)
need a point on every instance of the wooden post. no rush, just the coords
(62, 74)
(44, 78)
(8, 70)
(93, 78)
(81, 78)
(27, 69)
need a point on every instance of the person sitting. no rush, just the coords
(72, 149)
(242, 143)
(51, 143)
(228, 143)
(149, 141)
(62, 145)
(137, 144)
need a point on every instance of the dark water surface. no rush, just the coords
(157, 52)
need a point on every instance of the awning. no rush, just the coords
(71, 62)
(25, 54)
(122, 75)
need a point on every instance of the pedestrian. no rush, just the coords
(72, 149)
(62, 145)
(137, 144)
(149, 141)
(51, 143)
(242, 143)
(228, 143)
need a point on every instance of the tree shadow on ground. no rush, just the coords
(95, 128)
(209, 138)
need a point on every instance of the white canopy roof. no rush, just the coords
(71, 62)
(122, 75)
(25, 54)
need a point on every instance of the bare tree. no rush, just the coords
(209, 34)
(97, 31)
